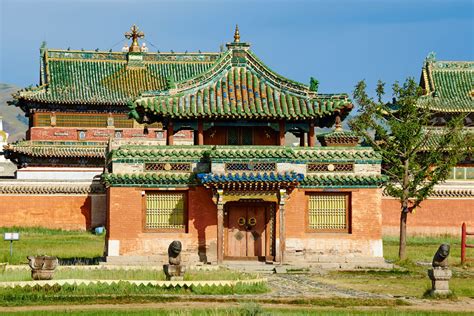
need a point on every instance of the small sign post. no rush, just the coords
(11, 237)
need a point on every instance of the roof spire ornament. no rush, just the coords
(236, 34)
(135, 34)
(338, 123)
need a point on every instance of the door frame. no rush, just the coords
(270, 225)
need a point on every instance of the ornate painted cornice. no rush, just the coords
(448, 193)
(148, 180)
(242, 181)
(337, 181)
(50, 188)
(225, 153)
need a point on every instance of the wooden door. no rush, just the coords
(245, 234)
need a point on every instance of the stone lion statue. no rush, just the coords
(440, 259)
(174, 252)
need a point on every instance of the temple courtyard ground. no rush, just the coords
(301, 291)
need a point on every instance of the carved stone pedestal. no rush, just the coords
(174, 272)
(440, 281)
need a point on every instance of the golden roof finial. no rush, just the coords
(236, 34)
(135, 34)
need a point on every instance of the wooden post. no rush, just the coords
(169, 134)
(220, 233)
(281, 211)
(302, 139)
(463, 243)
(311, 138)
(200, 133)
(282, 131)
(220, 227)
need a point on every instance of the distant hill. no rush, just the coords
(14, 121)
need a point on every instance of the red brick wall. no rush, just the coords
(434, 217)
(125, 223)
(365, 215)
(51, 211)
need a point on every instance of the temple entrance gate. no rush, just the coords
(249, 231)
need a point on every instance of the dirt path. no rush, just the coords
(285, 287)
(457, 306)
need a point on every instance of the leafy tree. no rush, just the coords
(415, 156)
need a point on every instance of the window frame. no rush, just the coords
(348, 198)
(165, 230)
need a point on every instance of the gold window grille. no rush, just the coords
(330, 167)
(165, 211)
(81, 120)
(328, 212)
(43, 119)
(171, 167)
(122, 122)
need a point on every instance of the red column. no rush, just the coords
(169, 134)
(200, 133)
(311, 138)
(282, 130)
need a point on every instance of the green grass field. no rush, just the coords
(79, 246)
(408, 281)
(423, 248)
(122, 274)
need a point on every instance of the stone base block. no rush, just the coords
(174, 272)
(440, 281)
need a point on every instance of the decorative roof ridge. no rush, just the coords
(59, 50)
(30, 91)
(195, 81)
(440, 64)
(260, 63)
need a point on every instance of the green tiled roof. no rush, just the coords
(449, 86)
(435, 136)
(59, 148)
(148, 179)
(223, 153)
(340, 137)
(89, 77)
(182, 152)
(243, 90)
(327, 181)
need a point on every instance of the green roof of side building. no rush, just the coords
(448, 85)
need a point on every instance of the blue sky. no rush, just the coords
(337, 42)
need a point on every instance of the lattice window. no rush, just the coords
(172, 167)
(329, 167)
(233, 167)
(74, 120)
(43, 119)
(123, 122)
(165, 210)
(328, 212)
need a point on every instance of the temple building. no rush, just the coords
(448, 88)
(192, 147)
